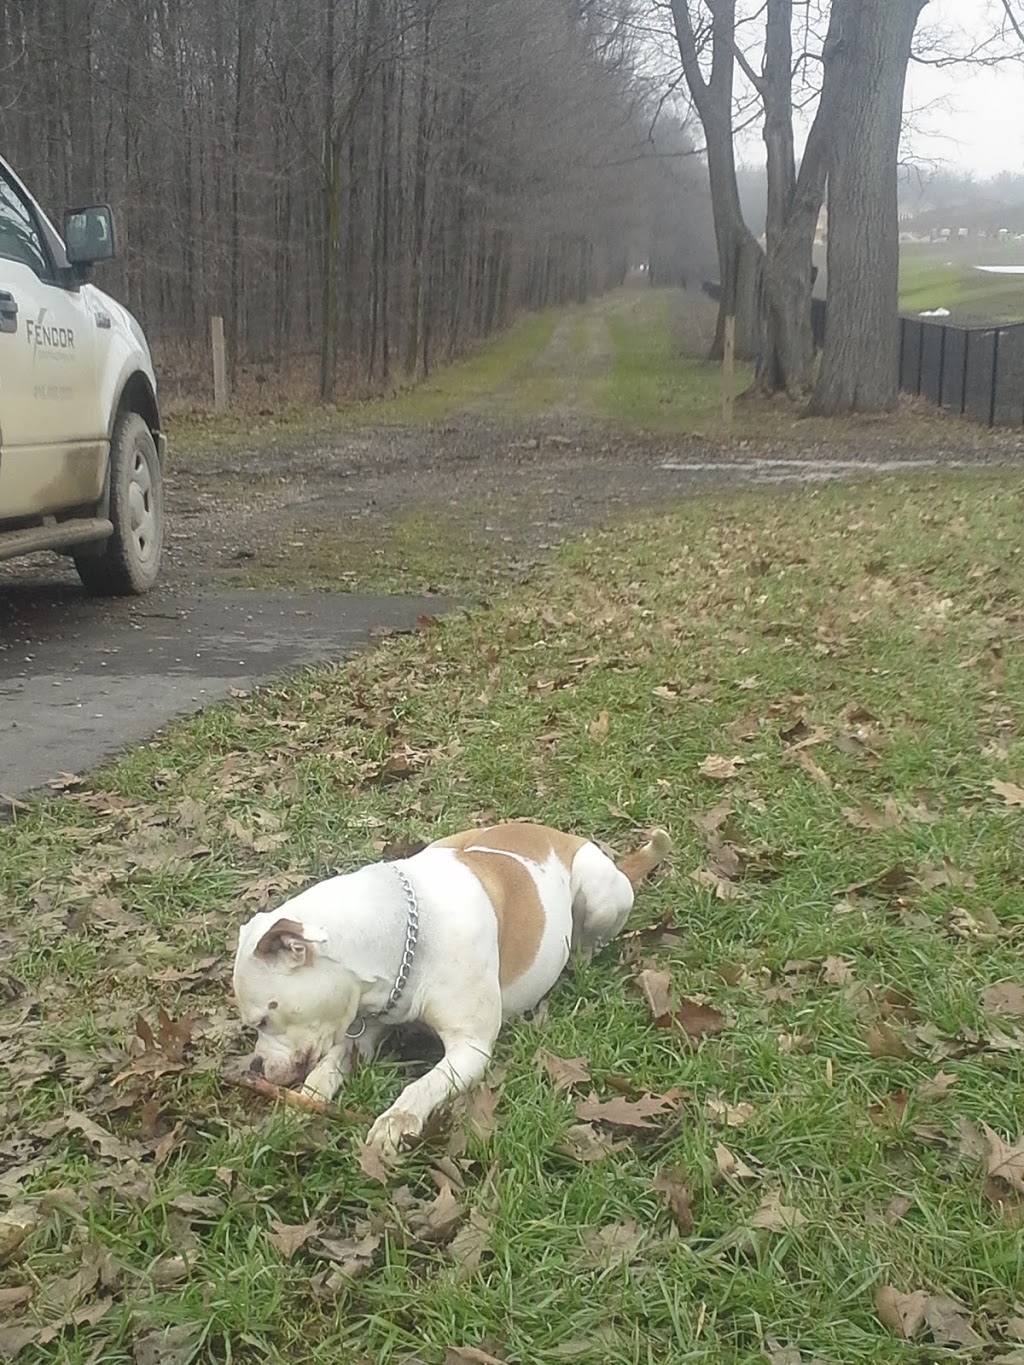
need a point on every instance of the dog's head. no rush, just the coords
(299, 1000)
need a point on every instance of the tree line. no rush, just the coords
(846, 62)
(378, 182)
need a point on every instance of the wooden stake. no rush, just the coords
(728, 370)
(220, 364)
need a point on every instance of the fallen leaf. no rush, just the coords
(469, 1355)
(479, 1106)
(1007, 1202)
(866, 816)
(656, 987)
(1005, 1162)
(372, 1164)
(937, 1087)
(598, 729)
(170, 1345)
(978, 923)
(19, 1335)
(733, 1115)
(899, 1205)
(1009, 791)
(775, 1216)
(836, 971)
(711, 821)
(291, 1237)
(1005, 997)
(931, 878)
(892, 882)
(732, 1166)
(884, 1041)
(471, 1244)
(105, 1143)
(720, 768)
(436, 1221)
(972, 1144)
(903, 1314)
(15, 1296)
(803, 760)
(623, 1113)
(353, 1256)
(563, 1072)
(613, 1243)
(697, 1020)
(584, 1143)
(170, 1270)
(15, 1225)
(724, 889)
(671, 1183)
(948, 1323)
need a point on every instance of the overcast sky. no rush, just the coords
(968, 116)
(972, 116)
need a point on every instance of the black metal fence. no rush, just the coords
(976, 371)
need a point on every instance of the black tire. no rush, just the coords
(129, 562)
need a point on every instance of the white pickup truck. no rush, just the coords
(81, 449)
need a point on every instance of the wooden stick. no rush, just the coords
(270, 1091)
(728, 362)
(220, 364)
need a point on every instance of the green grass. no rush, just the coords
(944, 276)
(462, 550)
(887, 618)
(506, 362)
(653, 384)
(502, 363)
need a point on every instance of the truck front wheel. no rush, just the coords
(129, 562)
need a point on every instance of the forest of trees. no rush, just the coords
(375, 182)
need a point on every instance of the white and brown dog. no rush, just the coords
(473, 929)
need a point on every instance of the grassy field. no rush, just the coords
(811, 1151)
(941, 275)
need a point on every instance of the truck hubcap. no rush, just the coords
(142, 513)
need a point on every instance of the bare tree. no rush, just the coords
(372, 184)
(867, 56)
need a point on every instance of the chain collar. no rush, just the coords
(412, 933)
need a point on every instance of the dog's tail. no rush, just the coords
(636, 866)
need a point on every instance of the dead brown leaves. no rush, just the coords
(623, 1113)
(911, 1315)
(721, 769)
(673, 1185)
(694, 1019)
(563, 1072)
(159, 1053)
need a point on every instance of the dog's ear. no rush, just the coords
(288, 938)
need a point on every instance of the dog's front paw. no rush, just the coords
(322, 1083)
(392, 1128)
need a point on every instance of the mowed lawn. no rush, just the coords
(945, 275)
(780, 1120)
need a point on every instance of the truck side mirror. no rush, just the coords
(89, 235)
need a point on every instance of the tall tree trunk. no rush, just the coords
(331, 215)
(869, 52)
(794, 202)
(739, 255)
(418, 281)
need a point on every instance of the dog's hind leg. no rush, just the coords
(468, 1043)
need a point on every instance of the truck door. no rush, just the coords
(53, 437)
